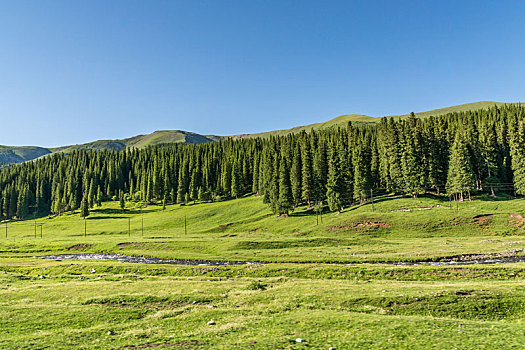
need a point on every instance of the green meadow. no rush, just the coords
(322, 282)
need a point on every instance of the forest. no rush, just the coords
(457, 154)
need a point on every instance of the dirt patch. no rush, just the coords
(80, 246)
(408, 209)
(129, 244)
(490, 241)
(517, 220)
(147, 346)
(361, 225)
(483, 220)
(514, 243)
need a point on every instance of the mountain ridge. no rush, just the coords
(19, 154)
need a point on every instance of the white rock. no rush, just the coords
(299, 340)
(92, 270)
(211, 322)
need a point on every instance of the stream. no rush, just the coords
(462, 260)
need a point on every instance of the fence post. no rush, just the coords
(41, 230)
(85, 227)
(185, 230)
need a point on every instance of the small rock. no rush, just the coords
(110, 332)
(299, 340)
(211, 322)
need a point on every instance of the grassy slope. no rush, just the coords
(21, 154)
(244, 229)
(11, 154)
(141, 141)
(454, 109)
(66, 304)
(341, 120)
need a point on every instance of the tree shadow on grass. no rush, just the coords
(110, 211)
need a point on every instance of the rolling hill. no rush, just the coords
(11, 154)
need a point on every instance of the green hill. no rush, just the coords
(10, 155)
(140, 141)
(455, 109)
(341, 120)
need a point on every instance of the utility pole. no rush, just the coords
(85, 228)
(372, 198)
(185, 230)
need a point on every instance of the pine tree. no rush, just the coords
(285, 201)
(335, 185)
(307, 173)
(460, 180)
(84, 209)
(122, 203)
(91, 195)
(517, 150)
(295, 176)
(99, 197)
(236, 181)
(23, 203)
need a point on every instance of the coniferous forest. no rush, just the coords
(456, 154)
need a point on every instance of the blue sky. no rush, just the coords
(77, 71)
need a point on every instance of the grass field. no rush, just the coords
(314, 287)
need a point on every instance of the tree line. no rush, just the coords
(457, 154)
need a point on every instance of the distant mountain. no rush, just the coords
(140, 141)
(10, 154)
(455, 109)
(341, 120)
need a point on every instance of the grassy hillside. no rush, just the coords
(454, 109)
(13, 154)
(337, 121)
(20, 154)
(140, 141)
(398, 229)
(64, 304)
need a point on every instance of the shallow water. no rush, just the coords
(142, 260)
(147, 260)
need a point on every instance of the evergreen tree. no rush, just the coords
(84, 209)
(335, 185)
(295, 176)
(460, 180)
(122, 203)
(285, 201)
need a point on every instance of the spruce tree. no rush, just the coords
(460, 179)
(295, 176)
(285, 201)
(84, 209)
(335, 185)
(306, 173)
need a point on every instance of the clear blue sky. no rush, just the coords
(77, 71)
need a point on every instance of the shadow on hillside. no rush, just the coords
(111, 211)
